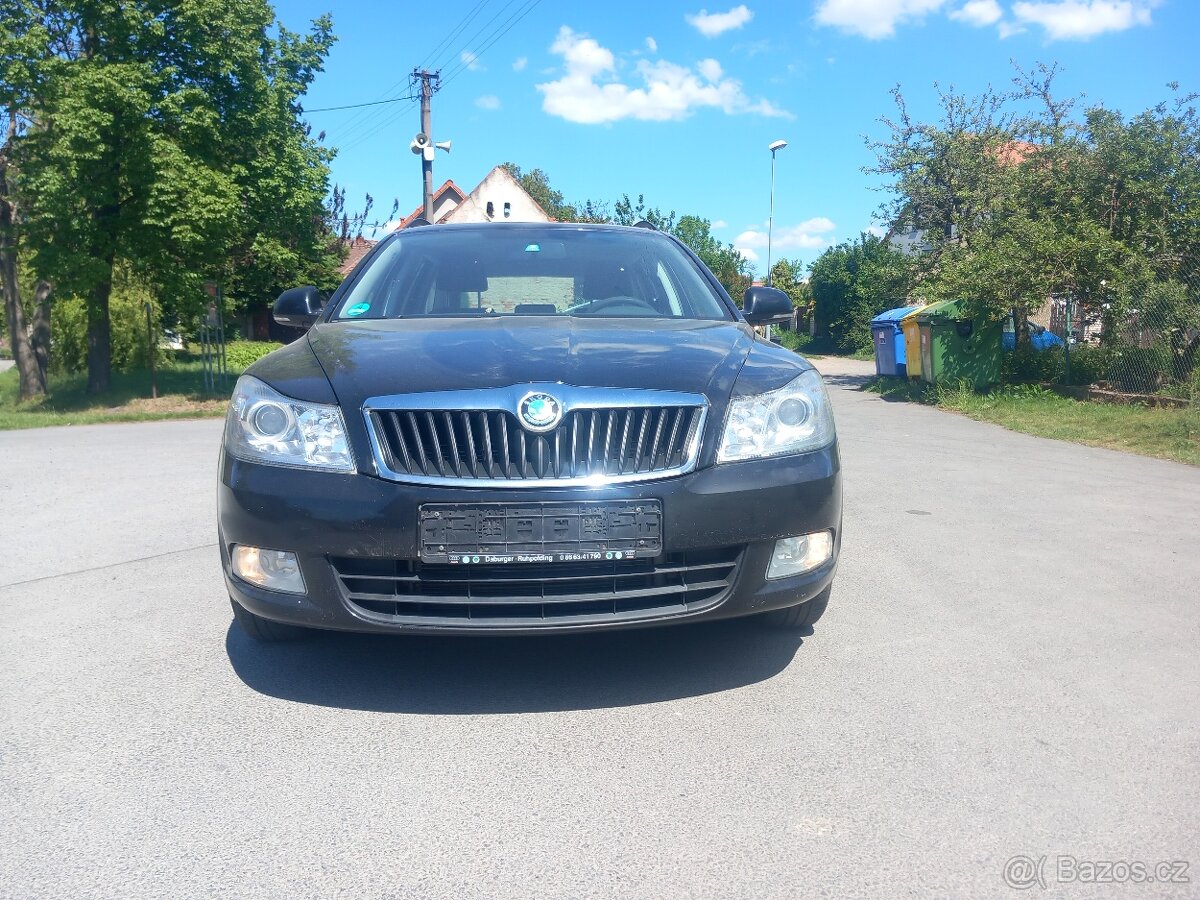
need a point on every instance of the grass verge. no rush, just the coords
(180, 396)
(1160, 432)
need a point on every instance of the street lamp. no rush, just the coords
(776, 145)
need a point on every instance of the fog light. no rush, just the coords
(800, 554)
(275, 570)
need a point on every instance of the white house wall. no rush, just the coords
(509, 202)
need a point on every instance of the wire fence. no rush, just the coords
(1144, 342)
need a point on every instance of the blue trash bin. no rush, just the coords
(890, 356)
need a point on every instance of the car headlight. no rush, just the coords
(265, 426)
(793, 419)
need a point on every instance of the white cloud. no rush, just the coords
(1060, 19)
(713, 24)
(590, 91)
(748, 253)
(520, 63)
(651, 45)
(719, 223)
(979, 13)
(488, 101)
(873, 19)
(1066, 20)
(471, 60)
(811, 234)
(878, 230)
(710, 69)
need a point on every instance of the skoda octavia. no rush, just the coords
(527, 428)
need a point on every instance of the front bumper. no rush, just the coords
(739, 508)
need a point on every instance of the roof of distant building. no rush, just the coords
(449, 188)
(359, 247)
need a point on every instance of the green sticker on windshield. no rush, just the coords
(358, 309)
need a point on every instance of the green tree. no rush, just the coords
(31, 370)
(730, 267)
(854, 282)
(537, 184)
(1018, 200)
(166, 138)
(788, 276)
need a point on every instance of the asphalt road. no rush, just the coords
(1009, 667)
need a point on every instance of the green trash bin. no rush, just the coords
(957, 348)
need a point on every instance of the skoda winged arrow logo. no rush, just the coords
(539, 412)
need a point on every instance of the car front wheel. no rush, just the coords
(265, 630)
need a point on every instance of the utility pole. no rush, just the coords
(429, 84)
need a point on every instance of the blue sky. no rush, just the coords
(678, 101)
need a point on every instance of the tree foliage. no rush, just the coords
(730, 267)
(788, 276)
(1018, 199)
(537, 184)
(854, 282)
(165, 138)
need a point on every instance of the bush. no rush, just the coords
(240, 354)
(790, 339)
(1028, 366)
(127, 318)
(1089, 363)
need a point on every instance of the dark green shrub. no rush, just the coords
(240, 354)
(1028, 366)
(1139, 370)
(127, 318)
(1089, 363)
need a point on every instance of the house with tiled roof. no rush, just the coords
(359, 247)
(445, 200)
(498, 198)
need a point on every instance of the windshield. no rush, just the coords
(492, 270)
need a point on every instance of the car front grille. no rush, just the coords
(532, 595)
(606, 436)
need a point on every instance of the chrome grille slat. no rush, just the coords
(410, 419)
(522, 453)
(674, 434)
(408, 591)
(465, 417)
(630, 437)
(643, 417)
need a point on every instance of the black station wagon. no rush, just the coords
(523, 429)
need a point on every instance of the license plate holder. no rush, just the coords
(552, 532)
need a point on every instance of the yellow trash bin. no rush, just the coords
(912, 340)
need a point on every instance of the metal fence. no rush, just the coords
(211, 336)
(1142, 341)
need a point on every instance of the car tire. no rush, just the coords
(264, 630)
(804, 615)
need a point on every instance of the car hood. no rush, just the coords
(377, 358)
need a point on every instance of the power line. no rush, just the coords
(356, 105)
(374, 128)
(353, 127)
(354, 140)
(457, 54)
(511, 22)
(455, 33)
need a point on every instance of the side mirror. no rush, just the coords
(762, 305)
(298, 307)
